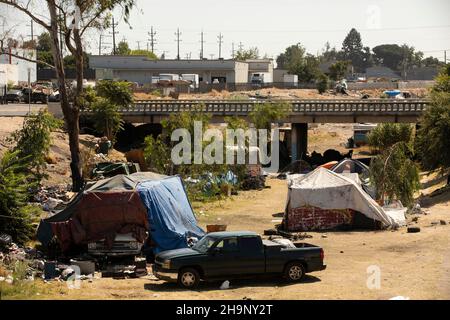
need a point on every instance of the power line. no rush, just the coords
(114, 32)
(202, 42)
(152, 39)
(178, 34)
(220, 38)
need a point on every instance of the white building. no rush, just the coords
(14, 69)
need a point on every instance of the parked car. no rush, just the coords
(14, 95)
(228, 255)
(123, 245)
(35, 96)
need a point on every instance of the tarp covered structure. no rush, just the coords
(135, 203)
(328, 190)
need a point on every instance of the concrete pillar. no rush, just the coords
(299, 141)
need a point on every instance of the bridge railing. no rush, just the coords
(243, 107)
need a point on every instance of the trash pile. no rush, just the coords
(53, 197)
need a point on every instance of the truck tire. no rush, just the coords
(188, 278)
(294, 271)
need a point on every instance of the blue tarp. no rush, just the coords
(170, 214)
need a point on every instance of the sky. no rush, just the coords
(274, 25)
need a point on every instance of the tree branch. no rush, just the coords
(14, 4)
(3, 51)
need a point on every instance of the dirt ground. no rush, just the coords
(413, 265)
(277, 94)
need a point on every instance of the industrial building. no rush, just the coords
(141, 69)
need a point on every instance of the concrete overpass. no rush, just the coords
(302, 112)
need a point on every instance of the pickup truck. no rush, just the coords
(228, 255)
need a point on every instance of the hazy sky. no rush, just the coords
(273, 25)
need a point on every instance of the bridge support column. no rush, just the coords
(299, 141)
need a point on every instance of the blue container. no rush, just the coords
(392, 93)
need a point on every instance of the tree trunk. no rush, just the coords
(71, 112)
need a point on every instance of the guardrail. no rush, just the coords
(243, 107)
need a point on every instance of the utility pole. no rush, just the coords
(201, 45)
(232, 50)
(138, 43)
(178, 34)
(32, 30)
(241, 46)
(445, 56)
(152, 39)
(114, 32)
(220, 38)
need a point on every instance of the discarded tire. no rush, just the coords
(413, 229)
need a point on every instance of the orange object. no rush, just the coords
(329, 165)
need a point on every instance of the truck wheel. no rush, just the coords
(294, 271)
(188, 278)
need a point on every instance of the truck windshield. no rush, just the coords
(204, 244)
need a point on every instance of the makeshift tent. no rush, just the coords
(323, 199)
(120, 205)
(347, 167)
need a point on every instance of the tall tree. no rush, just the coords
(353, 50)
(297, 61)
(251, 53)
(71, 19)
(123, 48)
(433, 142)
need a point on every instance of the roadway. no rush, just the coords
(19, 110)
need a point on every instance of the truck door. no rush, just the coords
(223, 259)
(251, 255)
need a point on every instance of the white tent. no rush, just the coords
(325, 189)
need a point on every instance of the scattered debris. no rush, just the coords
(413, 229)
(324, 236)
(225, 285)
(443, 222)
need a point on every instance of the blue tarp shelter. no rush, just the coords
(170, 214)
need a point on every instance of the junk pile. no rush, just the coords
(323, 200)
(53, 197)
(137, 205)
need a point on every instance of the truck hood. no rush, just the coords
(170, 254)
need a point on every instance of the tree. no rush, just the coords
(105, 102)
(296, 61)
(338, 70)
(123, 48)
(15, 218)
(264, 114)
(33, 143)
(322, 83)
(251, 53)
(329, 54)
(44, 42)
(70, 63)
(71, 19)
(389, 55)
(393, 173)
(433, 142)
(147, 53)
(353, 50)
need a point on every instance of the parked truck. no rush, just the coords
(192, 78)
(228, 255)
(261, 78)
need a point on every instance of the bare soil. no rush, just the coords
(413, 265)
(275, 93)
